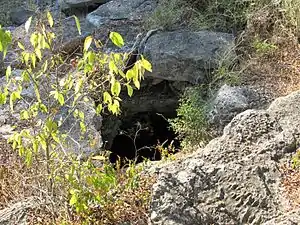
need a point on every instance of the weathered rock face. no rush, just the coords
(80, 3)
(228, 102)
(235, 178)
(19, 15)
(121, 10)
(184, 55)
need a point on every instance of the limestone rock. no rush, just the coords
(185, 55)
(79, 3)
(20, 15)
(121, 10)
(228, 102)
(235, 178)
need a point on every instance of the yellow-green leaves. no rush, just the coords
(107, 99)
(8, 73)
(115, 88)
(129, 90)
(14, 96)
(27, 24)
(77, 24)
(5, 40)
(21, 46)
(87, 43)
(146, 64)
(58, 96)
(116, 38)
(50, 19)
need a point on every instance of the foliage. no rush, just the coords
(296, 160)
(223, 15)
(43, 139)
(191, 122)
(263, 47)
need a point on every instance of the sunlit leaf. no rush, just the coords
(107, 98)
(129, 90)
(147, 65)
(8, 73)
(87, 42)
(27, 24)
(50, 19)
(21, 46)
(116, 38)
(116, 88)
(77, 24)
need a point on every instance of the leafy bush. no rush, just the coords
(41, 143)
(191, 122)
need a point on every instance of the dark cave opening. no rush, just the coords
(140, 135)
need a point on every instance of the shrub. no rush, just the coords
(191, 123)
(88, 189)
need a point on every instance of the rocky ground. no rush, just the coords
(243, 176)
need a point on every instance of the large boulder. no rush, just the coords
(79, 3)
(185, 55)
(235, 179)
(228, 102)
(121, 10)
(20, 15)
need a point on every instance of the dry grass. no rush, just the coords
(291, 184)
(18, 182)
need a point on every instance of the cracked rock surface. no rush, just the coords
(235, 179)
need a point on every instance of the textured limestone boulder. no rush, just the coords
(79, 3)
(228, 102)
(235, 179)
(186, 56)
(121, 10)
(20, 15)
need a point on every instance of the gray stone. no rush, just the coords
(227, 103)
(79, 3)
(121, 10)
(20, 15)
(185, 55)
(289, 218)
(235, 178)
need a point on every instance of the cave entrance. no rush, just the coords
(140, 135)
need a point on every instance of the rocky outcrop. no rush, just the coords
(17, 213)
(121, 10)
(19, 15)
(227, 103)
(79, 3)
(235, 179)
(185, 55)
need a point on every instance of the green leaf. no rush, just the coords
(147, 65)
(8, 73)
(27, 24)
(87, 43)
(107, 98)
(50, 19)
(130, 74)
(116, 38)
(28, 157)
(136, 83)
(73, 199)
(99, 109)
(77, 24)
(61, 99)
(21, 46)
(38, 53)
(33, 40)
(24, 115)
(33, 60)
(129, 90)
(82, 127)
(116, 88)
